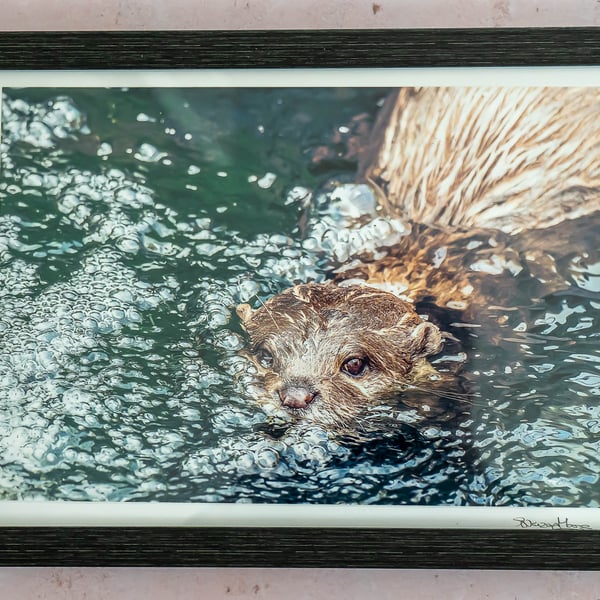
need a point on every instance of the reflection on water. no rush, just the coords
(132, 222)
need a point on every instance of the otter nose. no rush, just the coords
(296, 396)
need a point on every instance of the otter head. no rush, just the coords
(325, 352)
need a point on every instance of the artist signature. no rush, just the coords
(558, 523)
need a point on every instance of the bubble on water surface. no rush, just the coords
(299, 195)
(351, 201)
(40, 124)
(266, 181)
(346, 225)
(104, 150)
(586, 276)
(44, 355)
(149, 153)
(9, 234)
(342, 244)
(144, 118)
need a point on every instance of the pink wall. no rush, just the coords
(294, 584)
(150, 584)
(296, 14)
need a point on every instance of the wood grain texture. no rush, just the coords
(282, 547)
(307, 547)
(273, 49)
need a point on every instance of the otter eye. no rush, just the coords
(354, 366)
(265, 358)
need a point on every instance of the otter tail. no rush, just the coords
(507, 158)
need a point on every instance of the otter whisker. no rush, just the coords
(465, 397)
(264, 305)
(452, 395)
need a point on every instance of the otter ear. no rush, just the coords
(426, 339)
(244, 312)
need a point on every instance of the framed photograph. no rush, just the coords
(300, 299)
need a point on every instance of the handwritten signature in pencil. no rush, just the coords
(558, 523)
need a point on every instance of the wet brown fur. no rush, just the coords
(507, 158)
(311, 329)
(489, 177)
(473, 169)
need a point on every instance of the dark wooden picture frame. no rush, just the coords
(299, 546)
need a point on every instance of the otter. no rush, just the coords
(473, 170)
(328, 351)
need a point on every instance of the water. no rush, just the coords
(132, 222)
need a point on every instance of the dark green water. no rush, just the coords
(131, 224)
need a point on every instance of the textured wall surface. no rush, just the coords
(150, 584)
(294, 584)
(296, 14)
